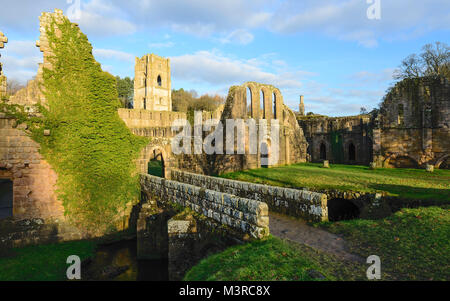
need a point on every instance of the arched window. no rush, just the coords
(159, 80)
(263, 106)
(274, 106)
(351, 152)
(248, 102)
(400, 114)
(323, 152)
(264, 155)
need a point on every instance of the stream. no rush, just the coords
(118, 262)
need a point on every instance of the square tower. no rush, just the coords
(152, 85)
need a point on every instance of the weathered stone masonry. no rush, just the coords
(244, 215)
(298, 203)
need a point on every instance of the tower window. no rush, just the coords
(159, 81)
(400, 114)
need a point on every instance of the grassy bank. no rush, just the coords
(272, 260)
(43, 262)
(404, 183)
(413, 244)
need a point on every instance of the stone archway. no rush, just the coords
(6, 198)
(443, 162)
(322, 151)
(157, 155)
(351, 152)
(400, 161)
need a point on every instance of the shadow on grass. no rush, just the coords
(428, 196)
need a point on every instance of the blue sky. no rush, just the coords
(327, 50)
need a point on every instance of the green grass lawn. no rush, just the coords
(404, 183)
(43, 262)
(413, 244)
(272, 260)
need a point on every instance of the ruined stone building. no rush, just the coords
(343, 140)
(413, 127)
(411, 130)
(152, 85)
(3, 40)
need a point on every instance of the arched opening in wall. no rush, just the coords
(400, 117)
(264, 155)
(6, 198)
(262, 105)
(159, 80)
(156, 165)
(323, 152)
(274, 105)
(351, 152)
(445, 164)
(403, 162)
(342, 209)
(249, 102)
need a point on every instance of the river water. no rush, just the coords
(118, 262)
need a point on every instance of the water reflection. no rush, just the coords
(118, 262)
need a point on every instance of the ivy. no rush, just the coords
(89, 146)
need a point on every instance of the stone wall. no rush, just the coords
(413, 127)
(33, 178)
(245, 216)
(135, 118)
(309, 205)
(344, 140)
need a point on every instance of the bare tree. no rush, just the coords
(12, 86)
(434, 60)
(410, 67)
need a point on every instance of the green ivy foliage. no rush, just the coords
(89, 147)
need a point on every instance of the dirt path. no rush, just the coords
(285, 227)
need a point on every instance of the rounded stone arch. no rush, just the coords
(443, 161)
(265, 152)
(400, 160)
(323, 150)
(351, 150)
(265, 103)
(154, 152)
(159, 80)
(251, 91)
(277, 103)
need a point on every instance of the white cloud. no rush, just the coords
(20, 60)
(113, 54)
(215, 68)
(162, 45)
(239, 36)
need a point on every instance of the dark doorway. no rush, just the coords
(342, 209)
(156, 165)
(351, 152)
(264, 155)
(6, 198)
(323, 152)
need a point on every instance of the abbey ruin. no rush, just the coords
(411, 130)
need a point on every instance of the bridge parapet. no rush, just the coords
(241, 214)
(309, 205)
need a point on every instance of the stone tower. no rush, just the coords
(3, 40)
(152, 85)
(301, 108)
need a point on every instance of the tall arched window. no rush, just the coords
(159, 80)
(263, 106)
(323, 152)
(351, 152)
(274, 106)
(249, 102)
